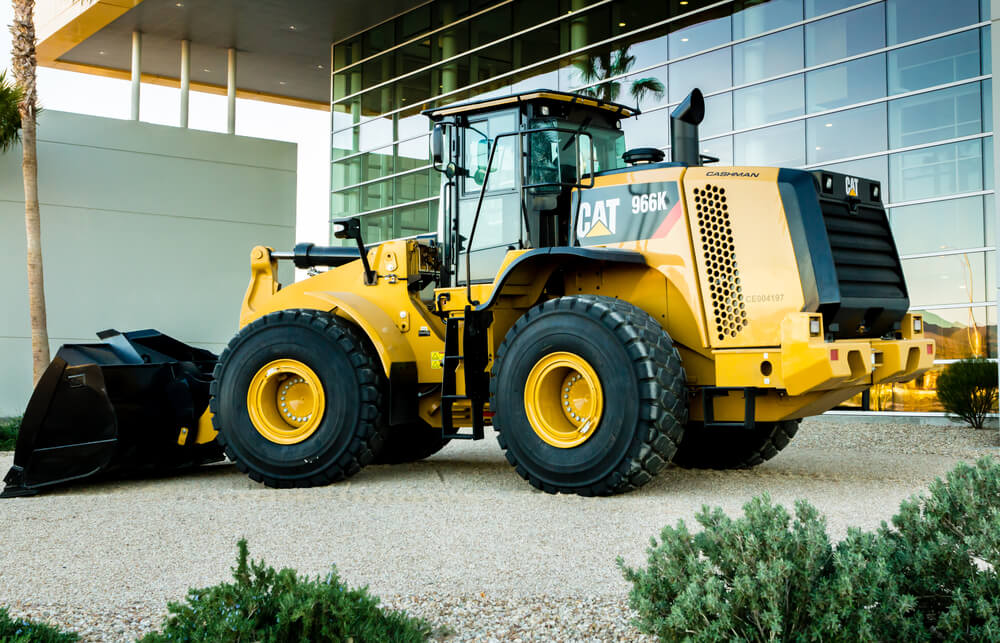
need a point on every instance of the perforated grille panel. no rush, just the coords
(720, 260)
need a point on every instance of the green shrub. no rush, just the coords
(8, 433)
(19, 630)
(968, 389)
(277, 606)
(769, 576)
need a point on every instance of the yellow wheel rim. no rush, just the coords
(286, 401)
(563, 399)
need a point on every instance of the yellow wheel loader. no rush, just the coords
(607, 312)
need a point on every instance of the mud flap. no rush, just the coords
(114, 408)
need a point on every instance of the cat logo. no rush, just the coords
(852, 185)
(598, 219)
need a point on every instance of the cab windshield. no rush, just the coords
(553, 155)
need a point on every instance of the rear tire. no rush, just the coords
(622, 359)
(733, 448)
(409, 443)
(345, 398)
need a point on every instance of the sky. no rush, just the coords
(98, 96)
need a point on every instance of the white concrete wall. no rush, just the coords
(143, 226)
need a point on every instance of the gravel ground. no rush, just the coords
(458, 539)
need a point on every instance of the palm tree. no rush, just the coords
(612, 64)
(23, 57)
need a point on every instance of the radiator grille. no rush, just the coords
(716, 232)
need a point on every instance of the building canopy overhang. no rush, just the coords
(283, 46)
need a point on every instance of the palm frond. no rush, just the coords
(642, 86)
(10, 115)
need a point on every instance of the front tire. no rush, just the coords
(296, 398)
(732, 447)
(589, 394)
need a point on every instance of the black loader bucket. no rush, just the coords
(127, 406)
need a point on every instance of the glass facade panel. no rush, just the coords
(700, 36)
(849, 83)
(768, 102)
(690, 73)
(935, 62)
(721, 148)
(652, 129)
(718, 115)
(751, 17)
(935, 116)
(845, 34)
(917, 228)
(767, 56)
(910, 19)
(949, 279)
(844, 134)
(936, 171)
(779, 145)
(822, 7)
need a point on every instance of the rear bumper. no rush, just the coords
(806, 363)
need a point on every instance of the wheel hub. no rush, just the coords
(563, 399)
(286, 401)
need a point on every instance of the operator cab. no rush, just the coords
(509, 167)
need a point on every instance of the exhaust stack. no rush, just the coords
(684, 121)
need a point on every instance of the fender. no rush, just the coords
(528, 264)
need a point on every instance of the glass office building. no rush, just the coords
(895, 90)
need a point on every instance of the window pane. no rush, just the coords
(845, 34)
(909, 19)
(647, 89)
(845, 134)
(411, 187)
(651, 129)
(990, 220)
(779, 145)
(961, 332)
(415, 219)
(937, 116)
(759, 17)
(648, 52)
(846, 84)
(988, 163)
(718, 115)
(690, 73)
(819, 7)
(936, 171)
(952, 279)
(375, 133)
(987, 48)
(918, 229)
(987, 92)
(767, 56)
(769, 102)
(934, 63)
(700, 36)
(721, 147)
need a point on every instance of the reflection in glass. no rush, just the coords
(821, 7)
(844, 134)
(960, 332)
(768, 56)
(917, 228)
(651, 129)
(718, 115)
(600, 73)
(768, 102)
(688, 74)
(751, 17)
(936, 116)
(845, 34)
(700, 36)
(936, 171)
(950, 279)
(846, 84)
(721, 148)
(779, 145)
(935, 62)
(910, 19)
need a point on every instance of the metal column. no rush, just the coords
(995, 40)
(136, 72)
(185, 80)
(231, 90)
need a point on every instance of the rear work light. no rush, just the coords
(918, 324)
(814, 326)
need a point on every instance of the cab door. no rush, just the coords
(499, 226)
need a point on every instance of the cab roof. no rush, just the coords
(536, 95)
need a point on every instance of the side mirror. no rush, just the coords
(437, 144)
